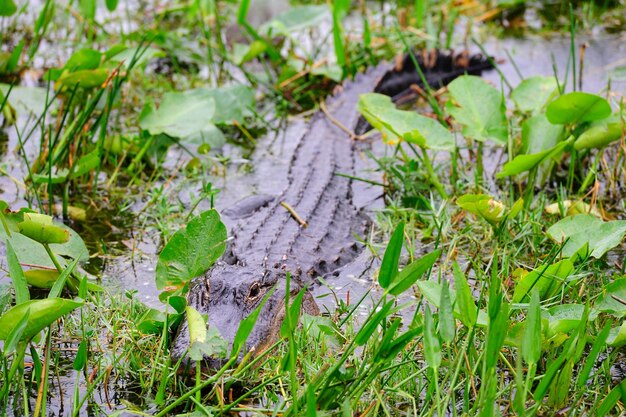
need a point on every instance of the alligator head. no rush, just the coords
(227, 294)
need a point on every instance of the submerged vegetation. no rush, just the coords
(498, 285)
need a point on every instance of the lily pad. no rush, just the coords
(577, 107)
(480, 108)
(532, 94)
(585, 229)
(179, 115)
(396, 124)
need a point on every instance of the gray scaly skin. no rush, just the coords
(271, 242)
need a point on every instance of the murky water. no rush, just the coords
(131, 252)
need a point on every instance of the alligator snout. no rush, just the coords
(227, 295)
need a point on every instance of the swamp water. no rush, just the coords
(132, 254)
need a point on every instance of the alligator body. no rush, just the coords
(308, 231)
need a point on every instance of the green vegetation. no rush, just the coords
(500, 286)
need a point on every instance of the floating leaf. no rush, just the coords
(296, 19)
(577, 107)
(40, 228)
(28, 100)
(396, 124)
(585, 229)
(532, 94)
(179, 115)
(479, 108)
(42, 314)
(191, 251)
(233, 103)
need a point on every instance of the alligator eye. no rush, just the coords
(255, 291)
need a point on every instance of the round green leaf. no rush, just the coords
(577, 107)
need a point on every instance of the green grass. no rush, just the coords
(415, 353)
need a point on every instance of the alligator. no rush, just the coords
(309, 230)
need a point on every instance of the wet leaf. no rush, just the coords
(84, 78)
(397, 125)
(39, 227)
(577, 107)
(179, 115)
(464, 299)
(246, 325)
(564, 318)
(532, 94)
(17, 276)
(539, 135)
(546, 279)
(447, 325)
(296, 19)
(523, 163)
(83, 59)
(617, 336)
(233, 103)
(412, 273)
(28, 100)
(432, 346)
(370, 326)
(203, 341)
(585, 229)
(601, 133)
(15, 336)
(531, 343)
(7, 8)
(191, 251)
(389, 264)
(613, 299)
(479, 108)
(42, 314)
(85, 164)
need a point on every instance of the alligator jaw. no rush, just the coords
(227, 295)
